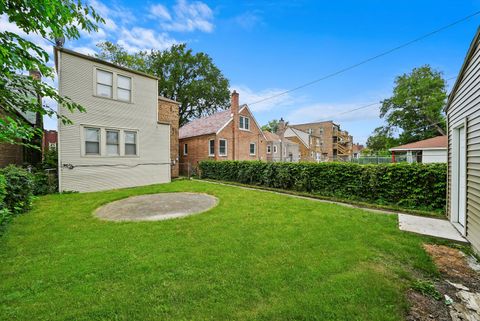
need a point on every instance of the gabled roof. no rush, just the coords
(212, 124)
(206, 125)
(300, 134)
(439, 142)
(468, 57)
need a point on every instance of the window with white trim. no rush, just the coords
(185, 149)
(130, 143)
(244, 123)
(269, 149)
(222, 147)
(274, 149)
(253, 148)
(92, 141)
(124, 88)
(104, 83)
(211, 147)
(113, 142)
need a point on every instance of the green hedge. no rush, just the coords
(19, 188)
(416, 186)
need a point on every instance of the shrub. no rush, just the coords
(5, 213)
(44, 183)
(19, 189)
(419, 186)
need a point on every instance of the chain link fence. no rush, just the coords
(379, 159)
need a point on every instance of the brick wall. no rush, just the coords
(168, 113)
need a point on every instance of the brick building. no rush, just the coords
(334, 143)
(232, 134)
(50, 140)
(168, 113)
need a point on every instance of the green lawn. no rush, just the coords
(256, 256)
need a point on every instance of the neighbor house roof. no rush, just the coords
(468, 57)
(272, 137)
(439, 142)
(206, 125)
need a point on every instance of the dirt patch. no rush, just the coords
(459, 286)
(453, 265)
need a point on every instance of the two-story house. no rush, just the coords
(336, 144)
(281, 149)
(119, 141)
(310, 148)
(232, 134)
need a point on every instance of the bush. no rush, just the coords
(417, 186)
(5, 213)
(44, 183)
(19, 189)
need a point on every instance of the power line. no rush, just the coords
(406, 44)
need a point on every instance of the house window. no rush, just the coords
(104, 83)
(269, 149)
(124, 88)
(130, 143)
(222, 147)
(92, 141)
(211, 147)
(52, 146)
(113, 143)
(244, 123)
(252, 148)
(310, 131)
(185, 149)
(274, 149)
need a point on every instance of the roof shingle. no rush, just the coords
(205, 125)
(435, 142)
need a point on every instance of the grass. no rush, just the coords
(256, 256)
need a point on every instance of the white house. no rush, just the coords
(432, 150)
(118, 142)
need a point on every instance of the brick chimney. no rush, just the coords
(234, 107)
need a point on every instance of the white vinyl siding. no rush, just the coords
(104, 83)
(77, 80)
(222, 147)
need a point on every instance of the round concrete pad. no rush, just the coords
(156, 207)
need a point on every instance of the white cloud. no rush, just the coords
(254, 98)
(335, 112)
(160, 11)
(85, 50)
(186, 17)
(137, 39)
(38, 40)
(248, 20)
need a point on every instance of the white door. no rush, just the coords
(462, 177)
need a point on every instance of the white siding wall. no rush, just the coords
(434, 156)
(465, 106)
(92, 173)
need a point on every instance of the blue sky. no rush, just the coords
(266, 47)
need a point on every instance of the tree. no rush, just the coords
(381, 140)
(54, 19)
(272, 126)
(415, 109)
(191, 79)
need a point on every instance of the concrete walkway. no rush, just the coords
(429, 226)
(406, 222)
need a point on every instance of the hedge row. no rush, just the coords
(415, 186)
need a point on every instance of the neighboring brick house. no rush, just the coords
(168, 113)
(281, 149)
(50, 140)
(17, 154)
(232, 134)
(334, 142)
(357, 150)
(309, 145)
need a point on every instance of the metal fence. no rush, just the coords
(378, 159)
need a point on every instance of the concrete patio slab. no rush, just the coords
(156, 207)
(429, 226)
